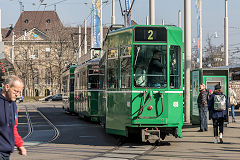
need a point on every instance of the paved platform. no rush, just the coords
(193, 145)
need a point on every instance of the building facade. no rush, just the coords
(39, 47)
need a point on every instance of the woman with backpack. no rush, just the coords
(218, 107)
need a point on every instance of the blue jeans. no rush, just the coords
(233, 113)
(203, 118)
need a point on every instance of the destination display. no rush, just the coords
(150, 34)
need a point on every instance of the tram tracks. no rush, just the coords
(40, 128)
(30, 127)
(127, 151)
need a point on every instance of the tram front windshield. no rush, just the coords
(150, 66)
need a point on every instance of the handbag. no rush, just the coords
(232, 101)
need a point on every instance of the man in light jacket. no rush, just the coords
(232, 96)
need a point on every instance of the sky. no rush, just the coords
(73, 13)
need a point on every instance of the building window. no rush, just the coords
(48, 20)
(47, 77)
(35, 76)
(236, 76)
(59, 53)
(24, 54)
(11, 54)
(36, 53)
(26, 21)
(47, 53)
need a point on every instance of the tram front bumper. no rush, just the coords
(150, 136)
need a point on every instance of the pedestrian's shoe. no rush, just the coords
(200, 130)
(216, 140)
(233, 120)
(221, 138)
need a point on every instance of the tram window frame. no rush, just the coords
(176, 83)
(65, 86)
(126, 71)
(143, 61)
(113, 70)
(83, 80)
(102, 76)
(92, 72)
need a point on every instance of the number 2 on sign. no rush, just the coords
(150, 37)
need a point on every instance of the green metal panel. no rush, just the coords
(118, 112)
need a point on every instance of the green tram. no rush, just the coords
(142, 88)
(87, 89)
(68, 88)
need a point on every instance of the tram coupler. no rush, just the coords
(150, 136)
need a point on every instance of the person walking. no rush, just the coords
(218, 106)
(203, 107)
(232, 101)
(9, 118)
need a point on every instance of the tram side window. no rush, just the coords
(126, 71)
(83, 81)
(93, 80)
(113, 69)
(113, 72)
(175, 66)
(65, 85)
(102, 77)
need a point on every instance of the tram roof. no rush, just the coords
(131, 27)
(237, 66)
(95, 60)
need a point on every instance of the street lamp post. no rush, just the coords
(187, 52)
(200, 36)
(226, 33)
(152, 12)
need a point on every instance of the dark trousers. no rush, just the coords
(218, 123)
(2, 157)
(203, 118)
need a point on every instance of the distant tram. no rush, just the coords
(68, 88)
(139, 84)
(87, 87)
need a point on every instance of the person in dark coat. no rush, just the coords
(155, 69)
(217, 117)
(9, 136)
(203, 107)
